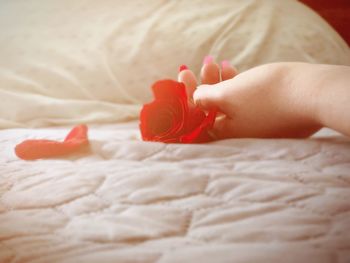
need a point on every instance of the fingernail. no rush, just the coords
(207, 60)
(182, 67)
(225, 64)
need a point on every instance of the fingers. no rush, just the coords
(210, 72)
(227, 70)
(187, 77)
(208, 96)
(224, 128)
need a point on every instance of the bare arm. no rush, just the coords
(333, 98)
(287, 99)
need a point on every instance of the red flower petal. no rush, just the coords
(78, 134)
(169, 118)
(195, 118)
(200, 133)
(165, 118)
(161, 120)
(37, 149)
(169, 89)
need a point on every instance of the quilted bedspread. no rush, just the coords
(124, 200)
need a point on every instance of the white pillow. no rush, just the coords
(65, 62)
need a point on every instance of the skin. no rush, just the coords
(278, 100)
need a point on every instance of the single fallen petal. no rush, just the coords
(78, 134)
(38, 149)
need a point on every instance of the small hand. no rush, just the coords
(262, 102)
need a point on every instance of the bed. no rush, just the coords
(125, 200)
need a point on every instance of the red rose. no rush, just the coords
(170, 118)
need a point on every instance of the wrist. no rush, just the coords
(303, 86)
(314, 85)
(332, 97)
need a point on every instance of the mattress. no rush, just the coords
(124, 200)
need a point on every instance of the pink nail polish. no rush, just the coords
(225, 64)
(182, 67)
(207, 60)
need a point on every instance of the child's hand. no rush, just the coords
(266, 101)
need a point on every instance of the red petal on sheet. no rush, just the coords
(78, 133)
(38, 149)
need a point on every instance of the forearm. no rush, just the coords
(333, 100)
(319, 94)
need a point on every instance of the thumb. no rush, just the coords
(208, 96)
(224, 128)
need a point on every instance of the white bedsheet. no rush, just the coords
(126, 200)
